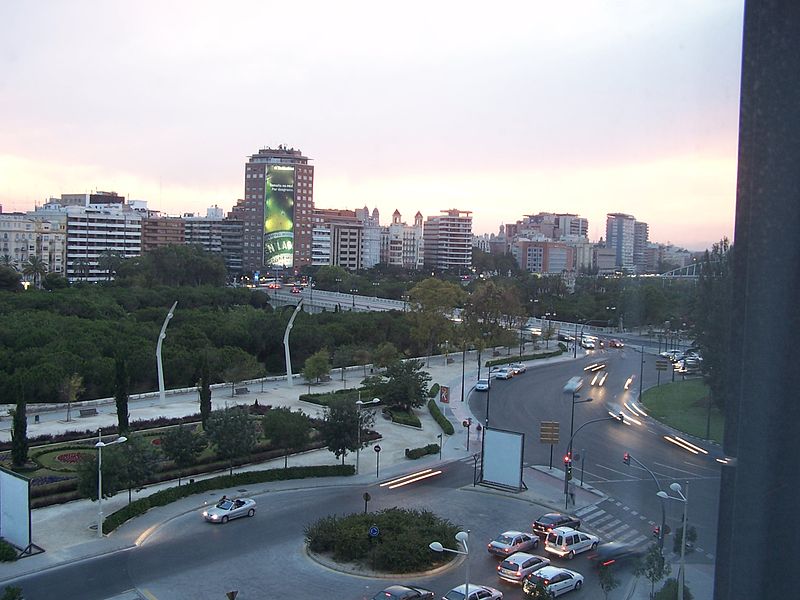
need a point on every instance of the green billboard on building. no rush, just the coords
(279, 216)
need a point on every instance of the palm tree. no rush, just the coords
(35, 267)
(6, 260)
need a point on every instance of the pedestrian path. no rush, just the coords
(611, 528)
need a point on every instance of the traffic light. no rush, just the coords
(626, 458)
(568, 466)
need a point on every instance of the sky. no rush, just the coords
(503, 108)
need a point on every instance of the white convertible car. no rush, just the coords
(228, 509)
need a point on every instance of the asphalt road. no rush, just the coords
(519, 404)
(264, 557)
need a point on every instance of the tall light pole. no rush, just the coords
(359, 405)
(641, 375)
(573, 386)
(627, 458)
(463, 538)
(100, 445)
(286, 354)
(676, 487)
(353, 294)
(161, 337)
(338, 281)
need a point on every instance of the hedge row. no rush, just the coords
(404, 418)
(415, 453)
(446, 425)
(513, 359)
(324, 398)
(434, 390)
(7, 552)
(164, 497)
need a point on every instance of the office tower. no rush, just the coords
(640, 239)
(447, 240)
(619, 237)
(276, 210)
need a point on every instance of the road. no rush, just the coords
(522, 402)
(263, 557)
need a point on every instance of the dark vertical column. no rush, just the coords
(758, 546)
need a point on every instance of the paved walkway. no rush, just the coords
(67, 532)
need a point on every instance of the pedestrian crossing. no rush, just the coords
(608, 526)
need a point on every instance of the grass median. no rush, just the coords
(684, 405)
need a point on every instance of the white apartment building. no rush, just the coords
(402, 244)
(447, 240)
(17, 239)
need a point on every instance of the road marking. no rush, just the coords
(711, 556)
(600, 520)
(638, 540)
(599, 477)
(618, 503)
(615, 471)
(677, 469)
(148, 595)
(625, 508)
(642, 517)
(609, 525)
(618, 530)
(588, 509)
(634, 513)
(632, 533)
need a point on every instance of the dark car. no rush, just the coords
(404, 592)
(615, 553)
(545, 523)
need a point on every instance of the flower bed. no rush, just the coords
(71, 458)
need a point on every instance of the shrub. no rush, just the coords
(404, 418)
(164, 497)
(13, 592)
(562, 346)
(416, 453)
(669, 591)
(508, 360)
(7, 552)
(443, 422)
(434, 390)
(401, 547)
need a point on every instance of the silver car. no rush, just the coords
(228, 509)
(518, 566)
(509, 542)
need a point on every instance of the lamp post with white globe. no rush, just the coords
(463, 538)
(676, 487)
(100, 445)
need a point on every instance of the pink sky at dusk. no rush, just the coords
(504, 109)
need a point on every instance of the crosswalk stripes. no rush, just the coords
(587, 509)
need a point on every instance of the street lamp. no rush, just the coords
(467, 423)
(676, 487)
(627, 458)
(463, 538)
(338, 281)
(572, 387)
(100, 445)
(353, 294)
(161, 336)
(359, 405)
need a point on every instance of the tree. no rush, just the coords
(35, 267)
(404, 384)
(608, 581)
(54, 281)
(232, 433)
(385, 355)
(317, 366)
(712, 318)
(286, 429)
(204, 390)
(432, 302)
(362, 356)
(653, 566)
(339, 429)
(9, 279)
(135, 462)
(112, 476)
(12, 593)
(71, 388)
(240, 371)
(19, 432)
(182, 445)
(121, 387)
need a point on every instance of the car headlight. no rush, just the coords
(205, 513)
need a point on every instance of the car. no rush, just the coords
(519, 565)
(615, 553)
(556, 580)
(476, 592)
(615, 344)
(518, 368)
(404, 592)
(504, 373)
(566, 542)
(230, 508)
(547, 522)
(296, 290)
(587, 344)
(482, 385)
(509, 542)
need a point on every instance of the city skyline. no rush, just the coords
(621, 108)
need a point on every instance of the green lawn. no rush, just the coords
(684, 406)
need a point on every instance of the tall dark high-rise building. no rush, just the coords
(276, 209)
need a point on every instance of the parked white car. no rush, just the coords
(482, 385)
(557, 580)
(566, 542)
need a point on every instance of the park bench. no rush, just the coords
(242, 390)
(88, 412)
